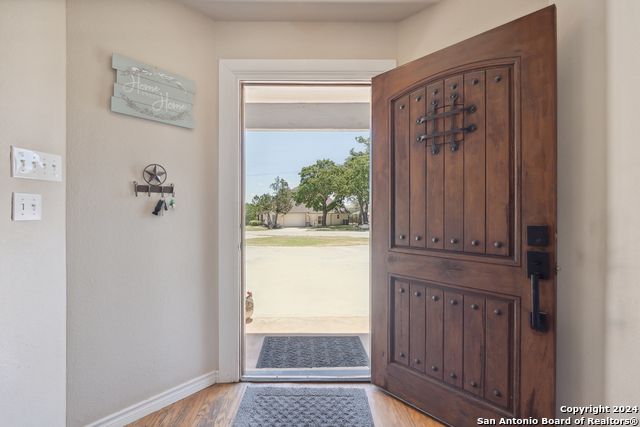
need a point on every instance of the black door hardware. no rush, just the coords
(452, 111)
(537, 269)
(537, 235)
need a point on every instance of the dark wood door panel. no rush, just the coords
(401, 327)
(417, 192)
(474, 347)
(474, 165)
(435, 332)
(499, 165)
(453, 167)
(453, 333)
(442, 400)
(418, 324)
(476, 275)
(435, 169)
(461, 191)
(499, 355)
(401, 171)
(457, 336)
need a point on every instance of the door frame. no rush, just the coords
(232, 73)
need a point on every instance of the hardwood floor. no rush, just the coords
(216, 406)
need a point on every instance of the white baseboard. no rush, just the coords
(149, 406)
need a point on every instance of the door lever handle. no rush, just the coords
(537, 269)
(538, 320)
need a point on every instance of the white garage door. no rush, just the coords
(294, 220)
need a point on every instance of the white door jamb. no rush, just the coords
(232, 72)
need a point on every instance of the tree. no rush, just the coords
(354, 179)
(250, 213)
(317, 184)
(263, 206)
(282, 199)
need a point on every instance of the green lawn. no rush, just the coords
(298, 241)
(351, 227)
(255, 228)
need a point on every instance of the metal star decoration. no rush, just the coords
(156, 174)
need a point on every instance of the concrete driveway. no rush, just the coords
(308, 281)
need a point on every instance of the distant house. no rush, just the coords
(302, 216)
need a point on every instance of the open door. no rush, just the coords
(464, 226)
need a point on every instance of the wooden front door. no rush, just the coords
(464, 226)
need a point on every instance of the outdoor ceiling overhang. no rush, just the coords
(307, 108)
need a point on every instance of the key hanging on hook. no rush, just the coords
(158, 208)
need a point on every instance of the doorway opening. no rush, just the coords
(305, 258)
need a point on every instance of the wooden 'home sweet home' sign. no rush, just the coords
(150, 93)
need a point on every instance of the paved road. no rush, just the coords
(309, 281)
(304, 231)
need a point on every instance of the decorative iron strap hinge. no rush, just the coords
(433, 116)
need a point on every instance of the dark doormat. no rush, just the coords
(312, 352)
(303, 407)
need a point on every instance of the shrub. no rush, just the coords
(255, 222)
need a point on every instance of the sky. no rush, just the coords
(284, 154)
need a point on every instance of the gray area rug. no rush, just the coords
(303, 407)
(312, 352)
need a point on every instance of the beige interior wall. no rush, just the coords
(32, 253)
(582, 195)
(622, 346)
(305, 40)
(142, 296)
(142, 293)
(452, 21)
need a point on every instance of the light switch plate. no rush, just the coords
(26, 207)
(32, 164)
